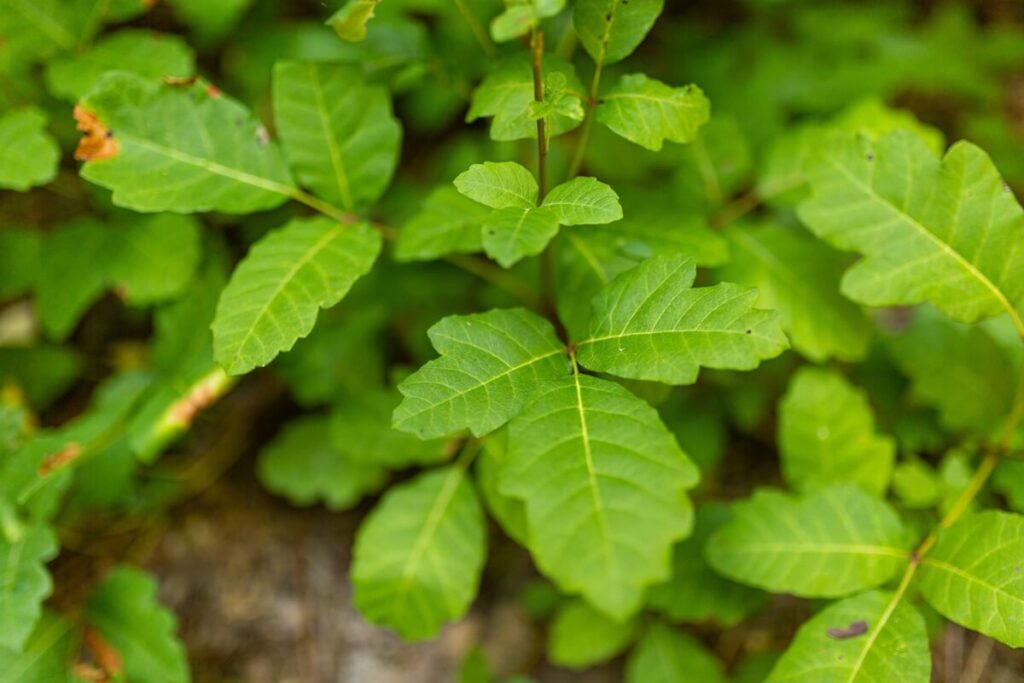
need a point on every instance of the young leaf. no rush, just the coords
(893, 646)
(557, 100)
(799, 276)
(586, 455)
(447, 223)
(695, 593)
(302, 464)
(125, 611)
(944, 231)
(580, 636)
(583, 201)
(338, 133)
(827, 435)
(276, 292)
(502, 185)
(24, 583)
(147, 54)
(648, 112)
(611, 29)
(973, 575)
(46, 657)
(506, 95)
(830, 543)
(419, 554)
(522, 15)
(350, 21)
(28, 155)
(181, 149)
(665, 655)
(489, 364)
(650, 324)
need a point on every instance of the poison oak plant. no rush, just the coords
(583, 318)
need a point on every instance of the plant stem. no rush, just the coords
(323, 207)
(537, 53)
(588, 121)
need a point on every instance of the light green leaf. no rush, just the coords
(580, 636)
(916, 485)
(24, 583)
(210, 19)
(959, 369)
(419, 554)
(447, 223)
(583, 201)
(510, 235)
(338, 133)
(126, 612)
(499, 185)
(894, 648)
(588, 456)
(798, 276)
(648, 112)
(276, 292)
(72, 275)
(827, 544)
(695, 593)
(651, 324)
(182, 149)
(147, 54)
(557, 100)
(489, 364)
(152, 258)
(47, 656)
(506, 95)
(28, 155)
(827, 435)
(509, 512)
(665, 655)
(522, 15)
(943, 231)
(611, 29)
(36, 29)
(350, 21)
(973, 575)
(303, 465)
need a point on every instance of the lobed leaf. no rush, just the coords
(46, 657)
(604, 485)
(611, 29)
(274, 295)
(503, 185)
(419, 554)
(827, 544)
(648, 112)
(350, 21)
(28, 155)
(650, 324)
(583, 201)
(24, 584)
(447, 223)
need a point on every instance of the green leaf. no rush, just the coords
(274, 295)
(28, 155)
(151, 259)
(182, 149)
(47, 655)
(650, 324)
(648, 112)
(509, 512)
(73, 274)
(959, 369)
(588, 456)
(125, 611)
(350, 21)
(830, 543)
(522, 15)
(24, 583)
(36, 29)
(665, 655)
(447, 223)
(827, 435)
(146, 54)
(557, 100)
(583, 201)
(419, 554)
(338, 133)
(499, 185)
(798, 276)
(20, 260)
(580, 636)
(43, 372)
(611, 29)
(973, 575)
(894, 648)
(210, 19)
(303, 465)
(489, 363)
(506, 95)
(695, 593)
(950, 228)
(510, 235)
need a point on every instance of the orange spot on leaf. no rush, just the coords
(185, 410)
(97, 141)
(59, 459)
(106, 657)
(180, 81)
(213, 91)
